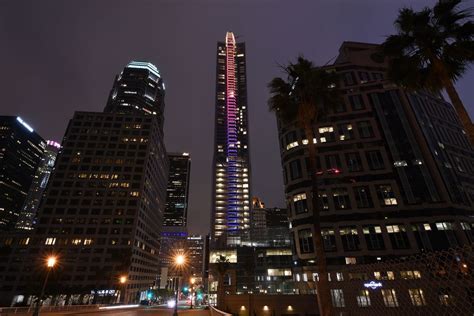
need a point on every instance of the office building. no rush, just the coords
(26, 220)
(395, 169)
(103, 209)
(177, 193)
(230, 214)
(195, 253)
(269, 226)
(138, 89)
(21, 150)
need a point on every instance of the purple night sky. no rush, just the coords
(60, 56)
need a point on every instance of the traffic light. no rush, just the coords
(199, 296)
(185, 289)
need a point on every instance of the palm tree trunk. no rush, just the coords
(324, 294)
(455, 99)
(460, 109)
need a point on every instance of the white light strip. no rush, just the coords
(119, 306)
(28, 127)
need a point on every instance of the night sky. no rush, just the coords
(57, 57)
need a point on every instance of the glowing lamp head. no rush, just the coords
(123, 279)
(179, 260)
(51, 262)
(193, 280)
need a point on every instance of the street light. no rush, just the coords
(192, 281)
(50, 263)
(123, 280)
(179, 261)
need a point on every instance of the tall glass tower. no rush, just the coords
(26, 220)
(139, 88)
(230, 215)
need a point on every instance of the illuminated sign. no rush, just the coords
(28, 127)
(373, 285)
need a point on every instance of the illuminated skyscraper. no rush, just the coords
(21, 149)
(176, 211)
(103, 209)
(230, 215)
(139, 88)
(26, 219)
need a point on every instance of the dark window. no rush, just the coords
(386, 195)
(356, 102)
(290, 137)
(348, 79)
(398, 236)
(295, 169)
(345, 131)
(350, 238)
(375, 160)
(365, 129)
(340, 107)
(333, 162)
(300, 203)
(362, 197)
(306, 241)
(363, 76)
(329, 239)
(373, 237)
(377, 76)
(323, 200)
(341, 199)
(326, 134)
(353, 161)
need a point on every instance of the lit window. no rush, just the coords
(444, 226)
(416, 296)
(337, 298)
(351, 260)
(363, 299)
(76, 241)
(327, 129)
(291, 145)
(50, 241)
(390, 297)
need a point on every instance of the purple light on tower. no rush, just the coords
(231, 148)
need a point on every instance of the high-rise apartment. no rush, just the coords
(395, 168)
(230, 214)
(26, 220)
(21, 150)
(103, 209)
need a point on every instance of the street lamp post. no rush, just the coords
(192, 281)
(123, 280)
(179, 261)
(50, 263)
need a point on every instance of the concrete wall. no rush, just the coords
(271, 305)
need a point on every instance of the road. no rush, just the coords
(148, 311)
(120, 311)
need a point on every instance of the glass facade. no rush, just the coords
(230, 214)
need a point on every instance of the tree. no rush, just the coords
(432, 50)
(303, 98)
(221, 266)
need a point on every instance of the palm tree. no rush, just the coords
(432, 50)
(220, 267)
(304, 97)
